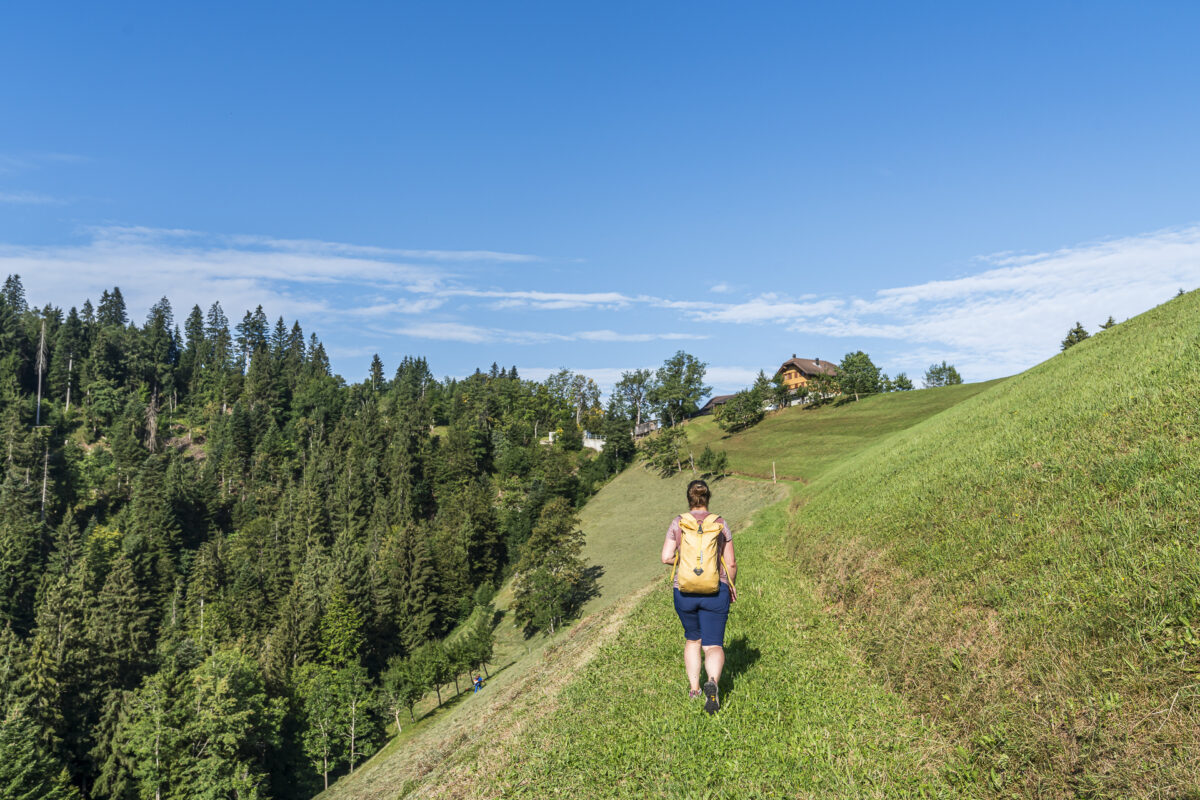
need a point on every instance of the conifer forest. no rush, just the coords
(226, 571)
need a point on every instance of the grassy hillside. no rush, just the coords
(804, 441)
(801, 716)
(1024, 567)
(474, 748)
(624, 524)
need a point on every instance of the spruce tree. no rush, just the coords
(20, 551)
(28, 769)
(419, 604)
(119, 625)
(1075, 336)
(13, 294)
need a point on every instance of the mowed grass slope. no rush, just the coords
(802, 719)
(1025, 567)
(624, 526)
(805, 441)
(801, 716)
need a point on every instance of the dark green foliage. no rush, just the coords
(779, 395)
(901, 383)
(678, 388)
(666, 450)
(1075, 336)
(858, 375)
(28, 769)
(713, 462)
(741, 411)
(941, 375)
(217, 526)
(551, 576)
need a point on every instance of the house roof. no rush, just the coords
(808, 366)
(717, 400)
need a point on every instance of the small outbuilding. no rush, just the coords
(711, 405)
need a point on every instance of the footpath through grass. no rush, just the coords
(800, 718)
(805, 674)
(624, 525)
(804, 442)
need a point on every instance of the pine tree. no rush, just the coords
(13, 294)
(420, 601)
(20, 551)
(28, 769)
(120, 627)
(1075, 336)
(376, 373)
(341, 630)
(1108, 323)
(111, 310)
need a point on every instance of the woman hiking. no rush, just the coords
(702, 606)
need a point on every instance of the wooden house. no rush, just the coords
(798, 371)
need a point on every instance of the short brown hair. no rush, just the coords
(698, 494)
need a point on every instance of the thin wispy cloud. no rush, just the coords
(29, 199)
(546, 301)
(192, 267)
(11, 163)
(768, 307)
(475, 334)
(1006, 316)
(1011, 316)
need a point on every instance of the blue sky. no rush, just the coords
(598, 185)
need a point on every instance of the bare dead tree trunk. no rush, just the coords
(70, 364)
(41, 367)
(152, 423)
(45, 478)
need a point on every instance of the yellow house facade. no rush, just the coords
(798, 371)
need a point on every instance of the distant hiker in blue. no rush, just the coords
(478, 681)
(700, 545)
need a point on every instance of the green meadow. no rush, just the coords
(1025, 567)
(805, 441)
(462, 749)
(985, 590)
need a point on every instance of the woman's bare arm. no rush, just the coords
(668, 550)
(730, 568)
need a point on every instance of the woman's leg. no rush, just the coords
(691, 662)
(688, 610)
(712, 615)
(714, 662)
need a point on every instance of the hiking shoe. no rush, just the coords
(711, 703)
(693, 694)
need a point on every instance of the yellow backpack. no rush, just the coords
(698, 558)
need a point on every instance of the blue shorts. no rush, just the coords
(703, 615)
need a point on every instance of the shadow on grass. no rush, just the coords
(739, 657)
